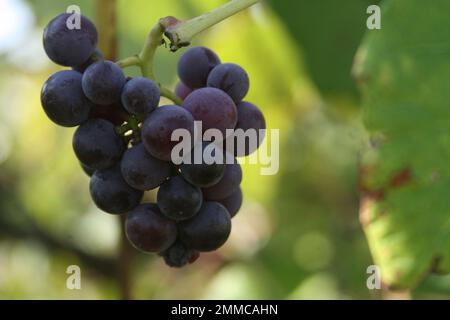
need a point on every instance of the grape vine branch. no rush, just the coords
(180, 34)
(107, 23)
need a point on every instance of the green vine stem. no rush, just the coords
(170, 95)
(180, 34)
(145, 59)
(154, 40)
(128, 62)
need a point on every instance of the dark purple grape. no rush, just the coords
(63, 99)
(182, 90)
(178, 199)
(233, 203)
(230, 78)
(69, 47)
(111, 193)
(227, 185)
(143, 171)
(249, 118)
(114, 113)
(213, 107)
(103, 82)
(195, 65)
(88, 170)
(148, 230)
(96, 56)
(208, 229)
(97, 144)
(178, 255)
(158, 127)
(140, 96)
(202, 172)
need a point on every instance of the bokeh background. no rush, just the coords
(297, 235)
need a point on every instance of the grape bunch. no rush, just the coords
(123, 141)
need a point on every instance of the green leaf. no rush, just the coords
(329, 33)
(404, 71)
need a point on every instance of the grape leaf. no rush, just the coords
(403, 70)
(329, 32)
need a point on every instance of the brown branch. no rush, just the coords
(125, 258)
(107, 26)
(26, 228)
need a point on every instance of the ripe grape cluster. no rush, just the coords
(123, 141)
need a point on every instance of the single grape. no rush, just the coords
(114, 113)
(178, 255)
(178, 199)
(143, 171)
(208, 230)
(69, 47)
(157, 130)
(103, 82)
(213, 107)
(249, 118)
(230, 78)
(140, 96)
(148, 230)
(96, 56)
(233, 203)
(182, 90)
(227, 185)
(97, 144)
(200, 172)
(195, 65)
(111, 193)
(63, 99)
(88, 170)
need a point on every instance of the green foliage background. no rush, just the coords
(298, 235)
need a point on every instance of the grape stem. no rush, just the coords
(145, 59)
(180, 34)
(154, 40)
(128, 62)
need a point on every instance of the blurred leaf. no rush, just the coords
(329, 32)
(317, 287)
(317, 195)
(403, 69)
(433, 287)
(240, 282)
